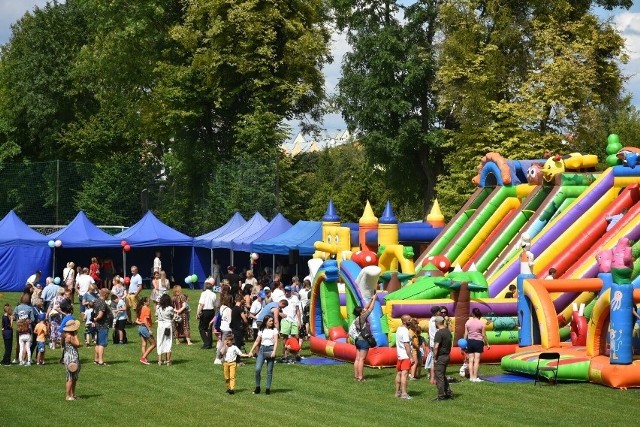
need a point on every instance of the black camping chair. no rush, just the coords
(548, 356)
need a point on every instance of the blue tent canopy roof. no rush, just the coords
(82, 233)
(205, 240)
(150, 231)
(299, 237)
(278, 225)
(13, 231)
(255, 224)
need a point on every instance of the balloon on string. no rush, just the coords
(254, 256)
(51, 244)
(123, 243)
(194, 278)
(462, 343)
(127, 248)
(127, 280)
(56, 280)
(58, 243)
(187, 280)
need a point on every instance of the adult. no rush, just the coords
(216, 272)
(476, 336)
(108, 271)
(442, 349)
(180, 304)
(48, 294)
(266, 345)
(432, 334)
(205, 314)
(155, 285)
(234, 280)
(157, 263)
(55, 314)
(164, 284)
(83, 281)
(34, 278)
(69, 278)
(135, 287)
(164, 311)
(277, 290)
(403, 352)
(250, 288)
(273, 309)
(102, 321)
(361, 326)
(290, 327)
(238, 321)
(305, 293)
(24, 314)
(71, 358)
(94, 272)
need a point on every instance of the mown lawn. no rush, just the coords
(192, 393)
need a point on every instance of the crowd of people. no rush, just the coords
(237, 309)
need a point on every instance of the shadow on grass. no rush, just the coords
(88, 396)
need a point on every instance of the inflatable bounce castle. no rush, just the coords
(525, 217)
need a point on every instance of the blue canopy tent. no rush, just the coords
(22, 252)
(77, 237)
(255, 224)
(150, 235)
(278, 225)
(298, 240)
(206, 241)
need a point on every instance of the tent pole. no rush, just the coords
(211, 264)
(53, 267)
(273, 268)
(231, 256)
(124, 263)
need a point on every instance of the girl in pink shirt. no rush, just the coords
(476, 336)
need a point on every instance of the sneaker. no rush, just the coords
(439, 398)
(144, 361)
(412, 378)
(406, 397)
(398, 394)
(477, 380)
(267, 391)
(14, 362)
(27, 363)
(233, 392)
(257, 390)
(217, 362)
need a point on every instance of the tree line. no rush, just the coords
(181, 106)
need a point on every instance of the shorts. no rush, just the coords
(362, 344)
(475, 346)
(40, 346)
(144, 332)
(103, 334)
(403, 365)
(288, 327)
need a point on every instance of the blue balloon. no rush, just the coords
(56, 280)
(462, 343)
(51, 243)
(187, 280)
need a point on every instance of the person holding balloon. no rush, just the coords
(476, 338)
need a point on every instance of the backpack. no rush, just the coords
(217, 321)
(23, 326)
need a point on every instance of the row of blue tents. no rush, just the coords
(24, 250)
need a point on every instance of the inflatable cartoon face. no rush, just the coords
(336, 244)
(534, 174)
(552, 167)
(630, 156)
(621, 254)
(604, 260)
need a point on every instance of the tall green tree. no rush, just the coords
(387, 91)
(522, 78)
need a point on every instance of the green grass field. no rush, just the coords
(192, 393)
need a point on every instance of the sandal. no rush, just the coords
(102, 364)
(168, 363)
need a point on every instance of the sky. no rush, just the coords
(626, 21)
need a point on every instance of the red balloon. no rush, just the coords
(127, 248)
(123, 243)
(127, 280)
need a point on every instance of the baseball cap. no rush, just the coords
(41, 317)
(266, 289)
(261, 294)
(287, 288)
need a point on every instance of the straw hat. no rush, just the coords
(72, 326)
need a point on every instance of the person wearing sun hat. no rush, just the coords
(71, 357)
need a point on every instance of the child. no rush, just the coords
(41, 330)
(143, 319)
(228, 353)
(71, 357)
(89, 330)
(7, 334)
(23, 328)
(292, 347)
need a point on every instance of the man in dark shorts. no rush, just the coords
(442, 348)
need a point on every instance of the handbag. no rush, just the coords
(366, 335)
(167, 332)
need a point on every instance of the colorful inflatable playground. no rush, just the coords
(525, 218)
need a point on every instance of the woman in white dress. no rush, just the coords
(69, 278)
(164, 336)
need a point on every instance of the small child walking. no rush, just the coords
(228, 353)
(89, 330)
(23, 328)
(7, 334)
(42, 331)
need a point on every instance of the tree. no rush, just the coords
(522, 78)
(387, 92)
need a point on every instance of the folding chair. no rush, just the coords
(547, 368)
